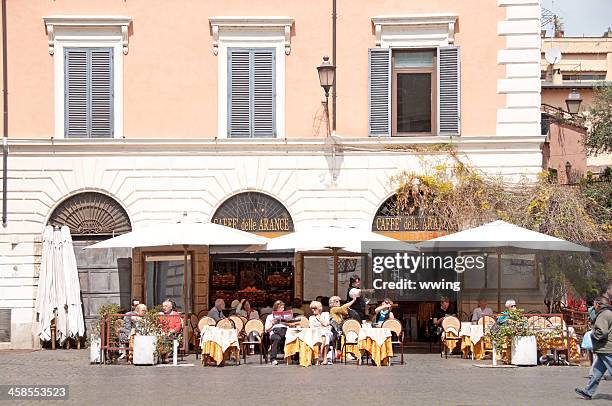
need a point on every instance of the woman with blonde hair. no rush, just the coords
(322, 320)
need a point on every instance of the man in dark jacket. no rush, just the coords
(601, 335)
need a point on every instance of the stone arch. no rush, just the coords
(91, 214)
(254, 211)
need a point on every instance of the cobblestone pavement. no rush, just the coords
(425, 379)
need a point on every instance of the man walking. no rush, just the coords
(601, 336)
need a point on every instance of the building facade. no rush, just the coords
(584, 63)
(126, 113)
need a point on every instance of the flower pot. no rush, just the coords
(94, 349)
(144, 350)
(524, 351)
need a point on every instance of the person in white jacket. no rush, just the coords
(322, 320)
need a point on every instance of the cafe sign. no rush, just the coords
(254, 212)
(389, 218)
(406, 223)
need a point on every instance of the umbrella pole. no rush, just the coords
(499, 275)
(185, 279)
(335, 253)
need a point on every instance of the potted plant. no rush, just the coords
(148, 328)
(514, 332)
(94, 339)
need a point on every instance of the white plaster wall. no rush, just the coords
(154, 186)
(521, 57)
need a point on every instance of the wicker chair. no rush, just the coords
(486, 322)
(396, 327)
(350, 328)
(226, 324)
(448, 324)
(205, 322)
(238, 323)
(257, 327)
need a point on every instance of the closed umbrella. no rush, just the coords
(44, 297)
(58, 285)
(76, 323)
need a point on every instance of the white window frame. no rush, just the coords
(251, 32)
(87, 32)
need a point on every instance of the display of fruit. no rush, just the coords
(224, 279)
(277, 279)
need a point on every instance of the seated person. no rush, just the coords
(510, 305)
(441, 311)
(234, 306)
(481, 310)
(277, 329)
(337, 312)
(322, 320)
(172, 323)
(245, 310)
(217, 312)
(126, 329)
(383, 312)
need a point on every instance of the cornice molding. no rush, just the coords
(447, 21)
(247, 22)
(51, 22)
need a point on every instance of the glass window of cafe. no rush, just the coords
(165, 278)
(259, 279)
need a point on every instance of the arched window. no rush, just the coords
(91, 214)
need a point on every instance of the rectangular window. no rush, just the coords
(414, 96)
(88, 92)
(584, 76)
(251, 92)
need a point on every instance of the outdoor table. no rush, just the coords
(306, 342)
(376, 341)
(215, 342)
(561, 341)
(472, 340)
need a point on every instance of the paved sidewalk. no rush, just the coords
(426, 379)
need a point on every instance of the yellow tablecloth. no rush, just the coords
(376, 341)
(305, 341)
(212, 351)
(216, 342)
(308, 355)
(380, 354)
(558, 342)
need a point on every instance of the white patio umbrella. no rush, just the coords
(59, 285)
(76, 322)
(336, 239)
(182, 234)
(45, 297)
(500, 235)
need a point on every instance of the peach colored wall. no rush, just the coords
(556, 97)
(170, 73)
(565, 145)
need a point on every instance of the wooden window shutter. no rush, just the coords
(101, 93)
(88, 92)
(379, 91)
(75, 92)
(449, 91)
(251, 93)
(239, 93)
(263, 93)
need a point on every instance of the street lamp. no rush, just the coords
(327, 74)
(573, 102)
